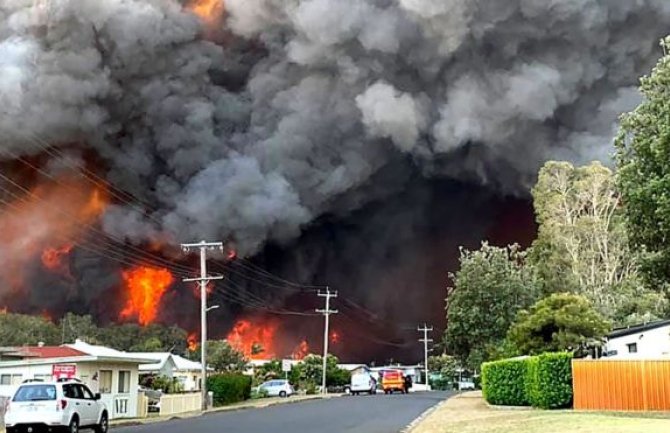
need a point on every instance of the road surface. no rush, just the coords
(351, 414)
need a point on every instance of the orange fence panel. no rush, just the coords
(621, 385)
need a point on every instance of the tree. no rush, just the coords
(643, 152)
(311, 368)
(562, 321)
(75, 327)
(442, 364)
(490, 287)
(22, 330)
(223, 357)
(583, 244)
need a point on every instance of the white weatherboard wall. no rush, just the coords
(120, 405)
(653, 343)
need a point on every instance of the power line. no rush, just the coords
(326, 314)
(203, 280)
(425, 341)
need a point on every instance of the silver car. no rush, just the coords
(277, 388)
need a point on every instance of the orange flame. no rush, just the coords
(146, 287)
(334, 337)
(300, 351)
(192, 341)
(254, 340)
(209, 11)
(54, 259)
(50, 215)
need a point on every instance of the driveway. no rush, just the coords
(352, 414)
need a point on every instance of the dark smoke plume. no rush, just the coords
(306, 101)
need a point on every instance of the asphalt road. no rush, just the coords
(351, 414)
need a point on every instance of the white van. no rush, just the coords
(363, 382)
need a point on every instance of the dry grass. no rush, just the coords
(469, 414)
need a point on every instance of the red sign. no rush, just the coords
(64, 371)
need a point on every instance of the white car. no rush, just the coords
(55, 406)
(278, 387)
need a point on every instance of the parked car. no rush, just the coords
(277, 387)
(363, 382)
(55, 405)
(466, 385)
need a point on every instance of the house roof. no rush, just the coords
(180, 363)
(103, 353)
(636, 329)
(49, 352)
(184, 364)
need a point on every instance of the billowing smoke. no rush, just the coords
(305, 101)
(294, 112)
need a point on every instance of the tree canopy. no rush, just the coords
(583, 243)
(643, 153)
(490, 287)
(22, 329)
(559, 322)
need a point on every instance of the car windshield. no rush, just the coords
(35, 393)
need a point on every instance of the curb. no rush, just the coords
(189, 415)
(426, 413)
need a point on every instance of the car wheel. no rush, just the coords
(12, 430)
(282, 394)
(74, 425)
(103, 426)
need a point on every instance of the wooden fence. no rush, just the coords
(180, 403)
(624, 385)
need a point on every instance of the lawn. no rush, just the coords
(469, 414)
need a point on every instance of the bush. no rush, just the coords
(551, 381)
(543, 381)
(259, 393)
(504, 382)
(229, 388)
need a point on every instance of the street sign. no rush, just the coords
(286, 365)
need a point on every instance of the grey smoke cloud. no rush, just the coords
(333, 92)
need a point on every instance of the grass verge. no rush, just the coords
(468, 413)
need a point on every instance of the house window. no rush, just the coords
(11, 379)
(124, 382)
(632, 348)
(105, 381)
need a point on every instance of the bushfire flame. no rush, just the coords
(55, 259)
(254, 340)
(52, 215)
(192, 341)
(145, 287)
(334, 337)
(301, 351)
(210, 11)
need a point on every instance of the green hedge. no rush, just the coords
(229, 388)
(543, 381)
(552, 381)
(504, 382)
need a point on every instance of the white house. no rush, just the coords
(646, 341)
(112, 373)
(187, 372)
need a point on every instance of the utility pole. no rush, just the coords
(203, 280)
(326, 313)
(425, 341)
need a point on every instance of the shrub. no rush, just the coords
(504, 382)
(551, 381)
(229, 388)
(259, 393)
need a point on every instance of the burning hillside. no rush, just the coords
(355, 143)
